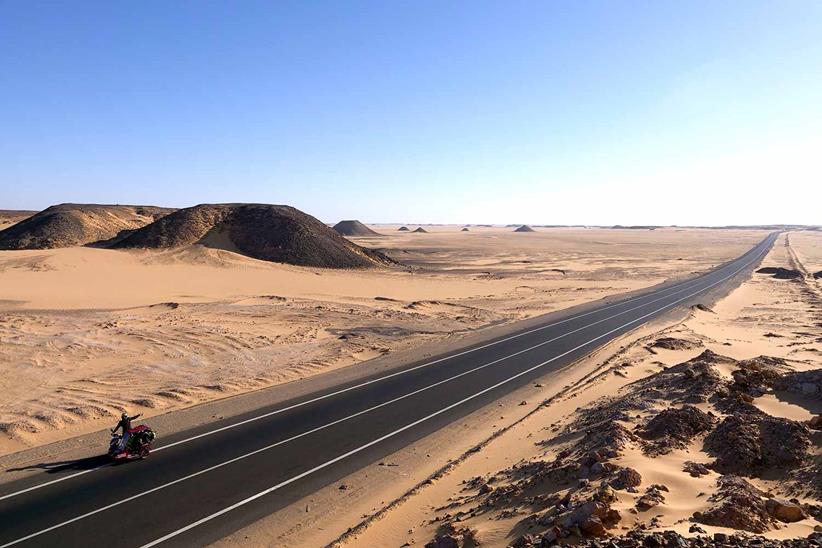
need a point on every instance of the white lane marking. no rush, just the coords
(684, 284)
(412, 424)
(338, 421)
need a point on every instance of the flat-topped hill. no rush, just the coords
(68, 225)
(276, 233)
(354, 228)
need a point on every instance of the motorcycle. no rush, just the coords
(138, 445)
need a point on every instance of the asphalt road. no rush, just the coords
(201, 485)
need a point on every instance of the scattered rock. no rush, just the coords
(695, 469)
(451, 537)
(784, 510)
(639, 538)
(653, 497)
(626, 478)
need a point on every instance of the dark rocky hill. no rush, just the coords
(276, 233)
(354, 228)
(68, 225)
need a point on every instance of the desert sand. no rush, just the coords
(535, 468)
(10, 217)
(89, 332)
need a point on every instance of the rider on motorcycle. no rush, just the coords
(125, 424)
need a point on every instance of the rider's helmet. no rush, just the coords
(124, 416)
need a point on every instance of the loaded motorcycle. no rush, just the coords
(138, 445)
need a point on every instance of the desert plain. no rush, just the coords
(88, 331)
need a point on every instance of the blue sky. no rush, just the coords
(540, 112)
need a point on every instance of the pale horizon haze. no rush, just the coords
(633, 113)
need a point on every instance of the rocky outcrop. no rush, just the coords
(755, 376)
(68, 225)
(693, 381)
(267, 232)
(672, 343)
(747, 443)
(674, 429)
(780, 273)
(805, 383)
(736, 504)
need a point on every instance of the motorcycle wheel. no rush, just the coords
(144, 451)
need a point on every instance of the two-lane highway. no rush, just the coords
(203, 484)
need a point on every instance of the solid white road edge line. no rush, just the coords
(336, 459)
(406, 427)
(366, 383)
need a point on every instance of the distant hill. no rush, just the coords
(276, 233)
(9, 217)
(403, 229)
(464, 229)
(525, 228)
(420, 229)
(354, 228)
(68, 225)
